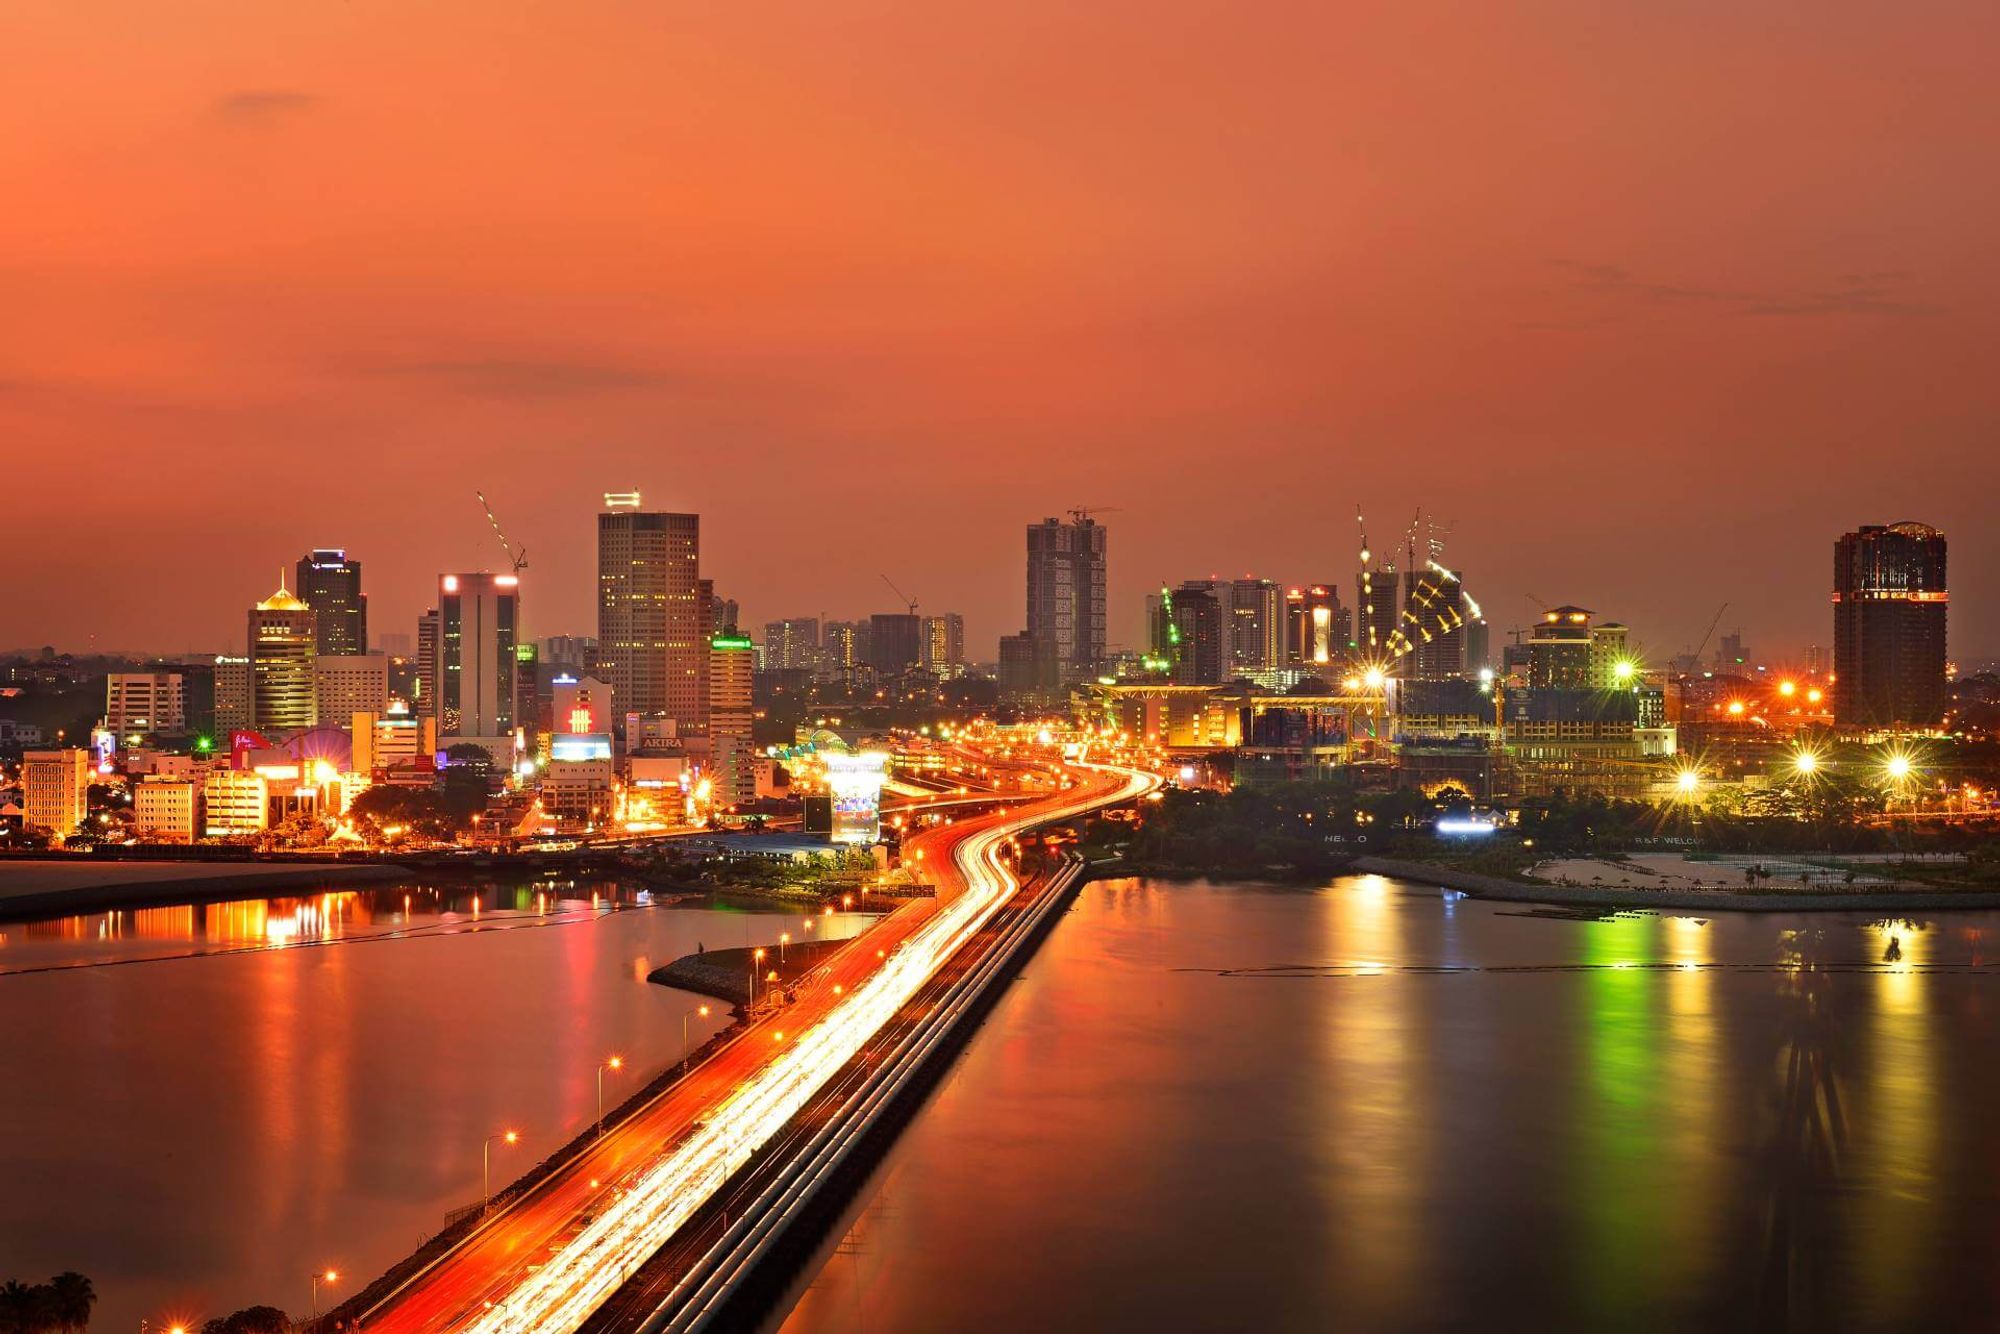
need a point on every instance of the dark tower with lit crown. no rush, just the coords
(1889, 604)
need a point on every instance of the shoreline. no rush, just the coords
(113, 894)
(1722, 900)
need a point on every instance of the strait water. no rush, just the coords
(1384, 1107)
(202, 1105)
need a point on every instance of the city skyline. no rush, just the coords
(1597, 292)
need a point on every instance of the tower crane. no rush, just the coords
(1083, 512)
(910, 601)
(518, 559)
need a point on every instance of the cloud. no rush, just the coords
(1872, 293)
(263, 106)
(522, 378)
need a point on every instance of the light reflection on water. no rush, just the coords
(1376, 1107)
(201, 1105)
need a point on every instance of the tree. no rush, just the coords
(250, 1320)
(75, 1295)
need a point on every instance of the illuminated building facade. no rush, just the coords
(944, 645)
(1378, 604)
(476, 684)
(166, 810)
(582, 704)
(235, 802)
(732, 662)
(576, 784)
(1198, 633)
(55, 788)
(330, 584)
(1559, 650)
(793, 644)
(1889, 605)
(284, 653)
(855, 782)
(1317, 627)
(1066, 592)
(350, 683)
(846, 646)
(234, 709)
(145, 704)
(395, 746)
(653, 624)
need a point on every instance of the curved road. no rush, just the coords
(544, 1262)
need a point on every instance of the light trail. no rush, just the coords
(630, 1228)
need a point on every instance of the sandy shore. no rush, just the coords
(42, 887)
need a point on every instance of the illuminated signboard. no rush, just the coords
(856, 784)
(594, 746)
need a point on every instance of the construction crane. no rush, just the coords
(1083, 512)
(1708, 634)
(912, 602)
(518, 559)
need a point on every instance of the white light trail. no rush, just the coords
(630, 1229)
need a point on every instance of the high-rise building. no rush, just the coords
(1378, 607)
(1611, 665)
(1889, 604)
(944, 645)
(847, 645)
(145, 704)
(1317, 627)
(477, 684)
(1559, 650)
(652, 623)
(284, 649)
(792, 644)
(349, 683)
(1066, 592)
(235, 710)
(732, 663)
(1199, 635)
(894, 642)
(427, 663)
(1256, 617)
(55, 790)
(1434, 624)
(330, 584)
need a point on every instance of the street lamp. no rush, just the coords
(486, 1164)
(701, 1010)
(614, 1063)
(755, 959)
(319, 1276)
(784, 939)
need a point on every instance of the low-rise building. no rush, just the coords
(235, 802)
(55, 788)
(167, 809)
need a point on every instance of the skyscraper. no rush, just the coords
(330, 584)
(1066, 592)
(1316, 626)
(476, 681)
(894, 642)
(944, 645)
(1889, 603)
(1256, 619)
(1199, 634)
(732, 658)
(652, 623)
(284, 654)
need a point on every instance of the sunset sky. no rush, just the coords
(1650, 301)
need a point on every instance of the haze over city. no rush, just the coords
(1649, 306)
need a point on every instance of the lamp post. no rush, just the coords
(486, 1165)
(755, 959)
(613, 1063)
(784, 939)
(701, 1010)
(321, 1276)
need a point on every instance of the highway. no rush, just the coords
(546, 1261)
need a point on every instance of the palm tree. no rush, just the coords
(16, 1307)
(74, 1296)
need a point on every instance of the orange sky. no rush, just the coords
(1651, 301)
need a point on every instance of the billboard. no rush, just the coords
(856, 784)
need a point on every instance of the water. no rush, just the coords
(1375, 1106)
(201, 1106)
